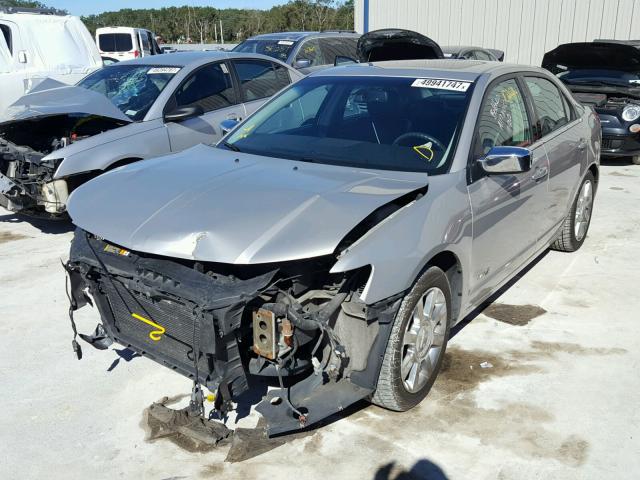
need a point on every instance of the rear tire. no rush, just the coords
(417, 343)
(576, 225)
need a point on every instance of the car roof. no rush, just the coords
(459, 48)
(295, 36)
(462, 70)
(116, 29)
(184, 59)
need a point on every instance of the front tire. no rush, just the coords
(576, 225)
(417, 343)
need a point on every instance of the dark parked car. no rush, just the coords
(605, 75)
(473, 53)
(306, 51)
(396, 44)
(337, 235)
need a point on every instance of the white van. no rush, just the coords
(126, 43)
(36, 44)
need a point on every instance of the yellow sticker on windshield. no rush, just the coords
(425, 151)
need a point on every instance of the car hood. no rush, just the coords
(214, 205)
(396, 44)
(592, 55)
(52, 97)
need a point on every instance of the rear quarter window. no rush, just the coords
(261, 79)
(550, 104)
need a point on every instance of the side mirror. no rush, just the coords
(22, 56)
(183, 113)
(342, 60)
(506, 160)
(227, 125)
(302, 63)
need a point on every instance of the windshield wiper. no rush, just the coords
(230, 146)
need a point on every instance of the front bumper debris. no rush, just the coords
(202, 325)
(26, 181)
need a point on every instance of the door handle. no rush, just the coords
(539, 173)
(582, 144)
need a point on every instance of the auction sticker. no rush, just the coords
(441, 84)
(153, 70)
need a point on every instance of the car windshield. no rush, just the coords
(600, 77)
(279, 49)
(387, 123)
(131, 88)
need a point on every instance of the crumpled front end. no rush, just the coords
(222, 325)
(26, 180)
(30, 153)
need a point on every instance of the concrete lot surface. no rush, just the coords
(559, 397)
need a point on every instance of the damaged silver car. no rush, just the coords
(58, 136)
(333, 239)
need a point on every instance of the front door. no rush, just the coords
(507, 207)
(211, 88)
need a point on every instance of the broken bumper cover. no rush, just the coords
(168, 311)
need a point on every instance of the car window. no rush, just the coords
(549, 104)
(379, 122)
(337, 47)
(145, 40)
(131, 88)
(261, 79)
(503, 119)
(480, 55)
(115, 42)
(468, 55)
(310, 50)
(209, 87)
(278, 49)
(6, 33)
(302, 110)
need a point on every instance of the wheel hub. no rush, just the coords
(423, 339)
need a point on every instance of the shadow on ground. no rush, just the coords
(45, 225)
(422, 470)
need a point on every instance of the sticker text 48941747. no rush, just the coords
(441, 84)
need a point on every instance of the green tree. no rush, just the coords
(202, 24)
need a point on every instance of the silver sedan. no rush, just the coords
(58, 136)
(338, 234)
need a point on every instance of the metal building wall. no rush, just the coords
(524, 29)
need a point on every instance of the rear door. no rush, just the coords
(556, 126)
(118, 45)
(507, 208)
(212, 88)
(259, 80)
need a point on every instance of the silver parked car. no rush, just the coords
(338, 234)
(58, 137)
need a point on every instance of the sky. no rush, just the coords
(80, 7)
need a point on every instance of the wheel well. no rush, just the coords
(450, 265)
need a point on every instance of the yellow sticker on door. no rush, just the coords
(155, 334)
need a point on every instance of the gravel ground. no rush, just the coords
(558, 397)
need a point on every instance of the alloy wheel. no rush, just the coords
(423, 340)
